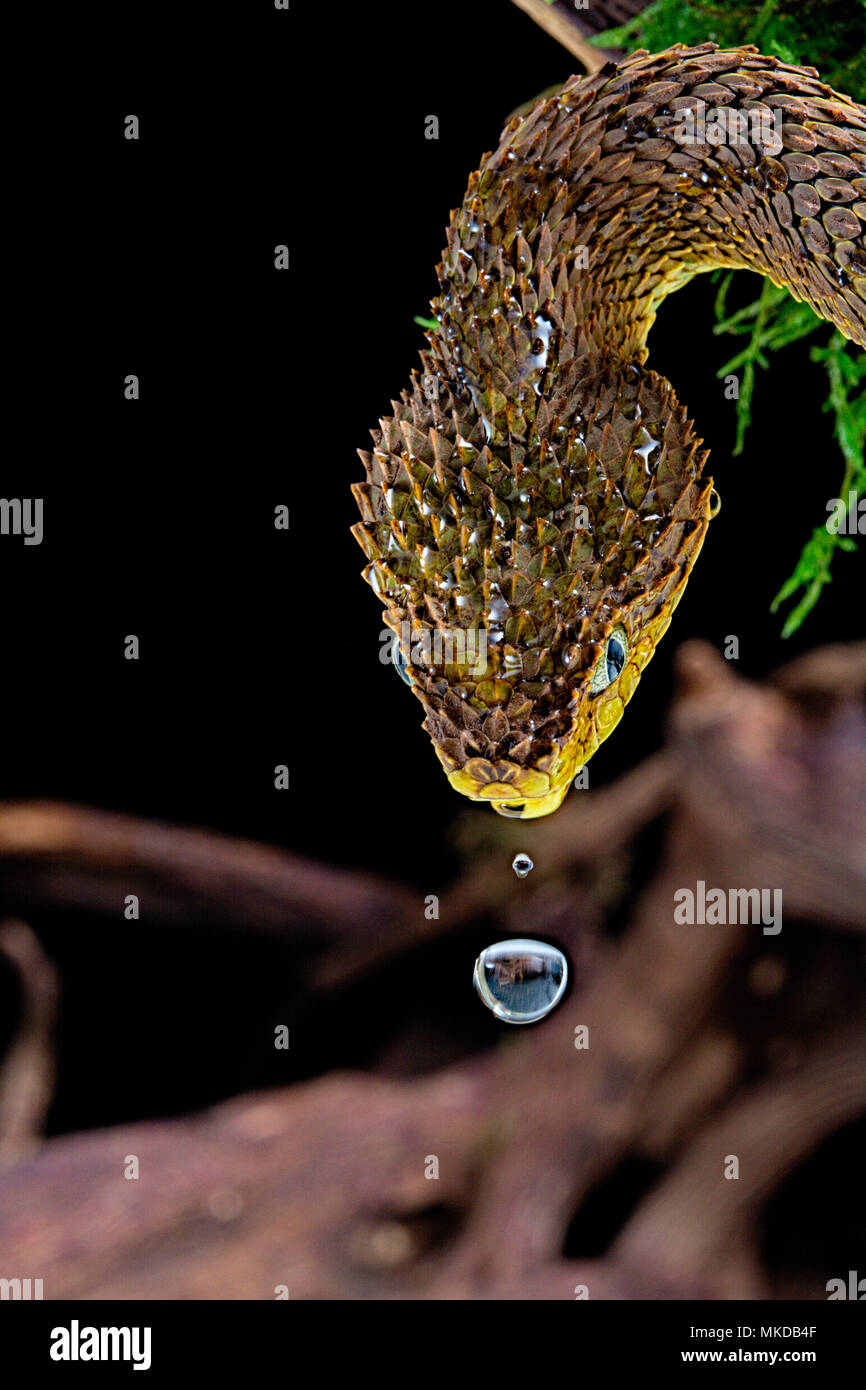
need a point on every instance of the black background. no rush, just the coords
(261, 647)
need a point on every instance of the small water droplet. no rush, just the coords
(541, 332)
(522, 865)
(520, 981)
(400, 664)
(647, 444)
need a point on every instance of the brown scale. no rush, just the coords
(537, 484)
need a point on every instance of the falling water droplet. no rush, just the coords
(520, 981)
(522, 865)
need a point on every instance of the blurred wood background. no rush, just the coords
(704, 1041)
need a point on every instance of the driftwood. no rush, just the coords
(27, 1074)
(564, 26)
(570, 26)
(463, 1182)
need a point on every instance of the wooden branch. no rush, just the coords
(27, 1072)
(242, 1199)
(698, 1081)
(686, 1226)
(321, 1190)
(55, 854)
(784, 794)
(562, 25)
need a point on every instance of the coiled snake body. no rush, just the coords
(537, 483)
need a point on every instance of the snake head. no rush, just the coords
(536, 487)
(529, 569)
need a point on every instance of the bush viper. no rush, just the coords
(538, 484)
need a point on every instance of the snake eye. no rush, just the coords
(611, 661)
(399, 663)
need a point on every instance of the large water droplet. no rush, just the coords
(520, 981)
(522, 865)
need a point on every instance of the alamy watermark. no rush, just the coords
(701, 124)
(22, 516)
(847, 518)
(77, 1343)
(20, 1289)
(712, 907)
(852, 1288)
(436, 647)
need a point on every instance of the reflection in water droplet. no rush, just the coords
(520, 981)
(522, 865)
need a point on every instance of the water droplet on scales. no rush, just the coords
(520, 980)
(647, 444)
(522, 865)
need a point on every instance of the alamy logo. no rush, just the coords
(75, 1343)
(437, 647)
(847, 518)
(22, 516)
(855, 1288)
(714, 907)
(700, 124)
(22, 1289)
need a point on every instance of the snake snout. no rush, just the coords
(539, 794)
(532, 807)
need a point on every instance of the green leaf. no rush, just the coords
(812, 570)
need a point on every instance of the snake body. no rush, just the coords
(537, 482)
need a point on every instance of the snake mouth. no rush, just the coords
(532, 807)
(514, 791)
